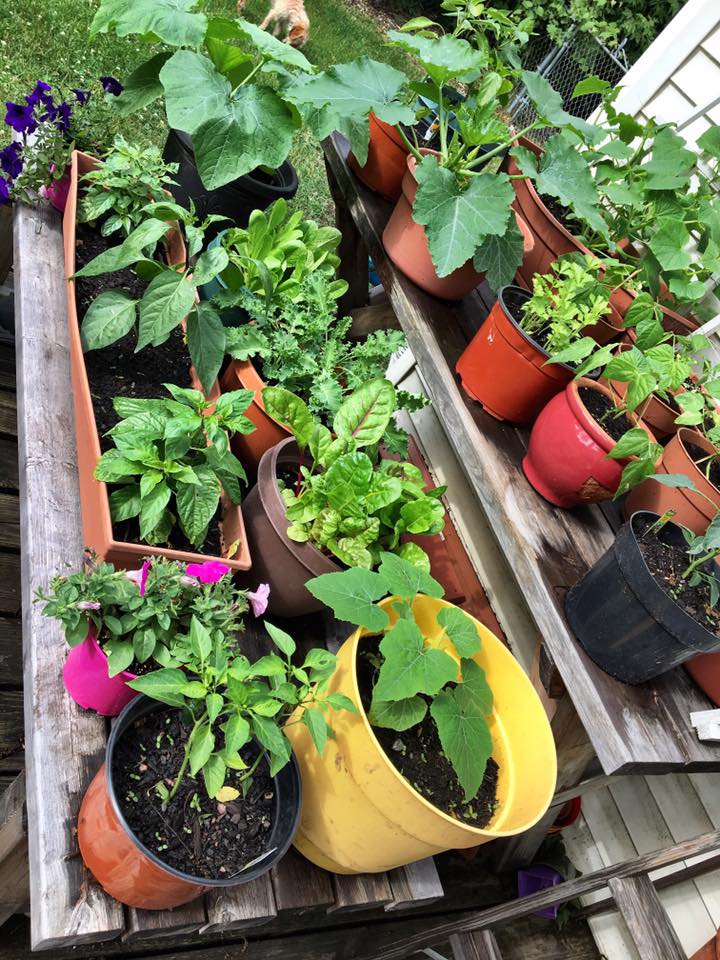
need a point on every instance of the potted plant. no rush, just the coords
(449, 746)
(119, 624)
(199, 789)
(506, 365)
(321, 501)
(650, 603)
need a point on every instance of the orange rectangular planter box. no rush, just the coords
(94, 501)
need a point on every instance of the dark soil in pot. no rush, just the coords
(417, 754)
(128, 531)
(562, 214)
(117, 370)
(604, 412)
(700, 459)
(667, 562)
(196, 834)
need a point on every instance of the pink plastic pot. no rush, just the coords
(57, 192)
(86, 679)
(567, 460)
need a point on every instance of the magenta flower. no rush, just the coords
(10, 160)
(111, 85)
(88, 605)
(209, 572)
(259, 599)
(140, 576)
(4, 191)
(20, 118)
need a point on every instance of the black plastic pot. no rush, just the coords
(625, 620)
(235, 200)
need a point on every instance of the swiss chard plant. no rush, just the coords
(416, 673)
(352, 503)
(171, 461)
(137, 614)
(229, 700)
(217, 78)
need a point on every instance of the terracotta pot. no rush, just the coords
(691, 511)
(506, 371)
(249, 448)
(97, 524)
(133, 874)
(606, 329)
(86, 679)
(385, 167)
(711, 950)
(278, 560)
(655, 412)
(406, 244)
(567, 459)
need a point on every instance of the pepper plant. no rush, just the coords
(351, 502)
(416, 673)
(171, 460)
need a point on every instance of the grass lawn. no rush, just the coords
(48, 40)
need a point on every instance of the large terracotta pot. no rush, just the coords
(277, 560)
(691, 510)
(250, 447)
(567, 460)
(506, 371)
(360, 814)
(406, 244)
(133, 874)
(654, 411)
(94, 502)
(711, 950)
(385, 167)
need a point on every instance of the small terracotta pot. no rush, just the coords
(279, 561)
(250, 447)
(711, 950)
(94, 501)
(654, 411)
(86, 679)
(691, 511)
(385, 167)
(567, 459)
(406, 244)
(606, 329)
(506, 371)
(133, 874)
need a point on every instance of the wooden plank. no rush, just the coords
(66, 906)
(6, 242)
(11, 726)
(10, 599)
(415, 885)
(299, 886)
(360, 890)
(548, 550)
(10, 652)
(7, 363)
(238, 908)
(8, 464)
(480, 945)
(9, 521)
(8, 413)
(152, 924)
(646, 919)
(14, 868)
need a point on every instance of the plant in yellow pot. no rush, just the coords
(450, 746)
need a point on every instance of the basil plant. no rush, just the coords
(352, 503)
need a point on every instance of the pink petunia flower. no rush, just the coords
(88, 605)
(259, 599)
(140, 576)
(209, 572)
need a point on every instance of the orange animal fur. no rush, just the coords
(288, 16)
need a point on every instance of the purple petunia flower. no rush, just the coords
(111, 85)
(60, 116)
(4, 191)
(20, 118)
(82, 96)
(41, 94)
(11, 161)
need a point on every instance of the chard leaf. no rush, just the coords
(464, 735)
(109, 318)
(366, 413)
(411, 667)
(347, 482)
(290, 410)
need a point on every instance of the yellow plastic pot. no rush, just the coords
(359, 815)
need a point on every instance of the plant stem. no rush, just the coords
(503, 146)
(253, 768)
(186, 759)
(413, 150)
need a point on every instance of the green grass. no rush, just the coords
(48, 40)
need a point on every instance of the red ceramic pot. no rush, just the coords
(386, 161)
(567, 460)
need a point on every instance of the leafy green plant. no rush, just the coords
(118, 192)
(219, 92)
(137, 615)
(352, 503)
(415, 673)
(230, 700)
(171, 459)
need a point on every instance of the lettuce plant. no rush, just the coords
(171, 459)
(229, 701)
(352, 503)
(414, 675)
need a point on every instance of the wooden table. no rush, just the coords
(642, 729)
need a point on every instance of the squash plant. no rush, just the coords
(214, 90)
(351, 502)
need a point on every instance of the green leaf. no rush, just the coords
(109, 317)
(213, 704)
(405, 579)
(365, 414)
(269, 666)
(167, 301)
(197, 504)
(195, 690)
(410, 666)
(668, 242)
(209, 264)
(231, 62)
(671, 164)
(290, 410)
(273, 739)
(318, 727)
(399, 714)
(125, 502)
(351, 595)
(709, 142)
(206, 343)
(549, 105)
(475, 684)
(163, 685)
(461, 630)
(203, 744)
(590, 85)
(633, 443)
(347, 482)
(565, 174)
(112, 466)
(214, 774)
(283, 641)
(457, 220)
(499, 257)
(444, 58)
(678, 480)
(128, 252)
(272, 49)
(415, 555)
(195, 91)
(152, 509)
(267, 707)
(464, 735)
(237, 733)
(200, 639)
(338, 701)
(170, 20)
(142, 86)
(120, 656)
